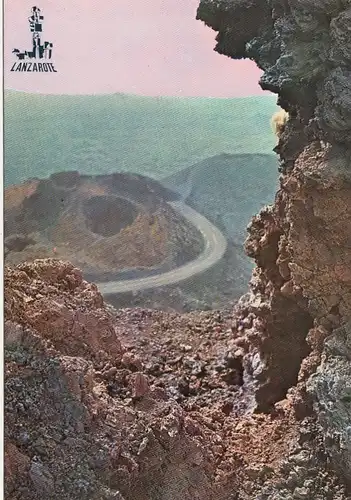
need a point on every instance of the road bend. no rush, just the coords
(214, 249)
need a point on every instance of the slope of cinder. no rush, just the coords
(135, 404)
(104, 224)
(68, 433)
(90, 417)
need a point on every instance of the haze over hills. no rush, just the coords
(228, 189)
(210, 151)
(102, 134)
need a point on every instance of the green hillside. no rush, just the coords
(155, 136)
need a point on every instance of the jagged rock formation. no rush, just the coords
(295, 322)
(68, 433)
(134, 404)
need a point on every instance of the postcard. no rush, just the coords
(177, 249)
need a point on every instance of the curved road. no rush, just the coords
(215, 247)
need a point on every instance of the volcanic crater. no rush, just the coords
(105, 224)
(108, 215)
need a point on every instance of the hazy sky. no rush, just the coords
(151, 47)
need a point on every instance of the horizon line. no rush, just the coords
(268, 94)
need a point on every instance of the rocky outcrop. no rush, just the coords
(136, 404)
(68, 433)
(294, 325)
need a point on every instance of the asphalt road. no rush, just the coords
(215, 247)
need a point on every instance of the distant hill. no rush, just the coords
(153, 136)
(110, 226)
(228, 189)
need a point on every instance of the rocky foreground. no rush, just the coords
(252, 403)
(139, 404)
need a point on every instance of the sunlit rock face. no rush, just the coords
(299, 306)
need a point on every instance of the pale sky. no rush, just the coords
(148, 47)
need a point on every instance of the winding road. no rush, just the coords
(215, 247)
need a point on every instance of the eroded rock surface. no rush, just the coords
(137, 404)
(299, 304)
(69, 434)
